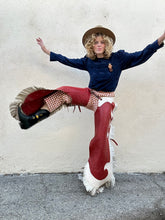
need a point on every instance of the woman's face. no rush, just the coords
(99, 47)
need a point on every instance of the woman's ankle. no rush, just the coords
(45, 107)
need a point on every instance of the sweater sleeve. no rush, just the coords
(75, 63)
(128, 60)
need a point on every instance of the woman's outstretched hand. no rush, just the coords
(42, 45)
(40, 42)
(161, 39)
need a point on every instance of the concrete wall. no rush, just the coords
(60, 143)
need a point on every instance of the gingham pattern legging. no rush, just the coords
(59, 98)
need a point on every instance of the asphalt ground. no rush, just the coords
(63, 197)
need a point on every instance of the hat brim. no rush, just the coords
(96, 30)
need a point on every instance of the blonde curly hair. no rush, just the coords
(90, 42)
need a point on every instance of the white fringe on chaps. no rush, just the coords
(20, 98)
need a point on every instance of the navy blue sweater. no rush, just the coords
(101, 79)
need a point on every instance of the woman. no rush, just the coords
(104, 68)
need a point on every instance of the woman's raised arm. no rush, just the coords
(42, 45)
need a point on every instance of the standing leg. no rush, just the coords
(98, 170)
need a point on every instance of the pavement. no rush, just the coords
(63, 197)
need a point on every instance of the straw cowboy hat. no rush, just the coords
(98, 29)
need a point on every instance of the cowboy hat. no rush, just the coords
(98, 29)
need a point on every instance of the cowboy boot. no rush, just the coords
(26, 121)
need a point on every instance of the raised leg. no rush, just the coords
(37, 107)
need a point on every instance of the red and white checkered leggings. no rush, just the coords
(59, 98)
